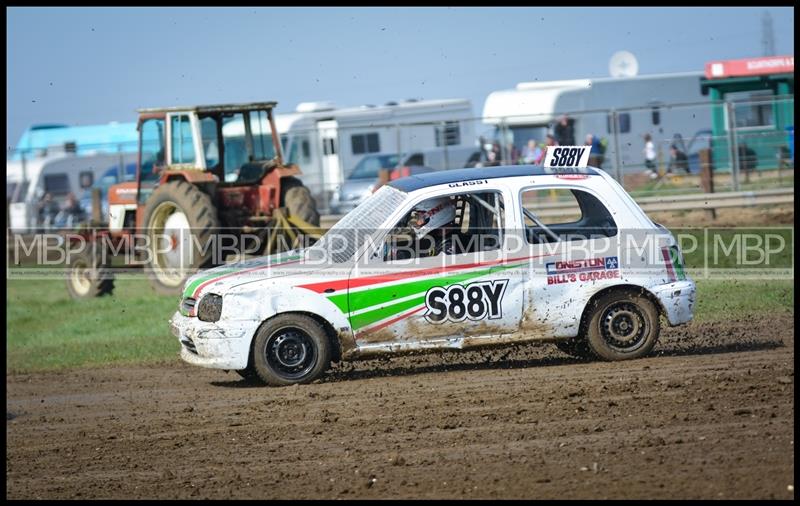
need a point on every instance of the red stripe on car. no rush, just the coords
(236, 273)
(668, 263)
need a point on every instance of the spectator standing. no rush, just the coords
(47, 211)
(677, 160)
(564, 131)
(596, 152)
(494, 155)
(513, 154)
(649, 155)
(71, 214)
(532, 153)
(549, 141)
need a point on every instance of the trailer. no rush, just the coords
(669, 107)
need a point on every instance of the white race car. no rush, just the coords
(447, 260)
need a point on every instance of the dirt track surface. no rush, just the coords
(709, 415)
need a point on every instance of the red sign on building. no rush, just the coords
(750, 67)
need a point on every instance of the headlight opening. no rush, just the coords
(210, 308)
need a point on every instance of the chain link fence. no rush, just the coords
(750, 145)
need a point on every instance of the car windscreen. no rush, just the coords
(342, 240)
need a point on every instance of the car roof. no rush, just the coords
(415, 182)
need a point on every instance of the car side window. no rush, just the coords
(564, 214)
(449, 225)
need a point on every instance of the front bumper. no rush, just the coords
(677, 299)
(218, 345)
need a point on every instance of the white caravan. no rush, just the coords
(328, 142)
(60, 174)
(663, 105)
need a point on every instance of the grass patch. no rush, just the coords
(736, 248)
(726, 299)
(47, 330)
(691, 184)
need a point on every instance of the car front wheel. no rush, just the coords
(291, 349)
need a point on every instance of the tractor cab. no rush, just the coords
(232, 145)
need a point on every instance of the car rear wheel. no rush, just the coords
(291, 349)
(622, 325)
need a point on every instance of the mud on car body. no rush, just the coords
(505, 269)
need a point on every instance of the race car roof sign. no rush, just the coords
(566, 157)
(750, 67)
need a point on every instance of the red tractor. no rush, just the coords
(205, 175)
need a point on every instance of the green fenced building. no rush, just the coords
(752, 103)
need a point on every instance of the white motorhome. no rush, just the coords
(59, 174)
(328, 142)
(663, 105)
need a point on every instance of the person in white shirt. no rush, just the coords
(649, 155)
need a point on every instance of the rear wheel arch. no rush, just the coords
(620, 323)
(636, 289)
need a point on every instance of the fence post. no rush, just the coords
(732, 146)
(444, 144)
(502, 141)
(399, 144)
(24, 176)
(97, 214)
(121, 170)
(617, 161)
(316, 133)
(707, 176)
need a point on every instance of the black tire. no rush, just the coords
(203, 222)
(88, 276)
(576, 347)
(291, 349)
(622, 325)
(297, 200)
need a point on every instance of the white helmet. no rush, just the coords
(430, 215)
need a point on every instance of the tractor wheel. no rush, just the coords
(297, 199)
(88, 276)
(180, 221)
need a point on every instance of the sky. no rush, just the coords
(84, 66)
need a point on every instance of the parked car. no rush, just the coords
(447, 260)
(360, 183)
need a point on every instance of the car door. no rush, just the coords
(412, 300)
(573, 241)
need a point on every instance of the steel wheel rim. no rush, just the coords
(291, 353)
(623, 326)
(170, 224)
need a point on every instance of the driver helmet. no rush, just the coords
(430, 215)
